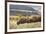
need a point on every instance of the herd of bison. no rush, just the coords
(28, 20)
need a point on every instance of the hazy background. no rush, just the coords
(28, 9)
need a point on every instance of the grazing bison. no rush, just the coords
(29, 20)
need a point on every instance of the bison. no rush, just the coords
(29, 20)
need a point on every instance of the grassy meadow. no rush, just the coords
(13, 23)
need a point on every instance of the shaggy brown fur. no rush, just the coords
(30, 20)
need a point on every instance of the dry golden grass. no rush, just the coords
(25, 25)
(13, 23)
